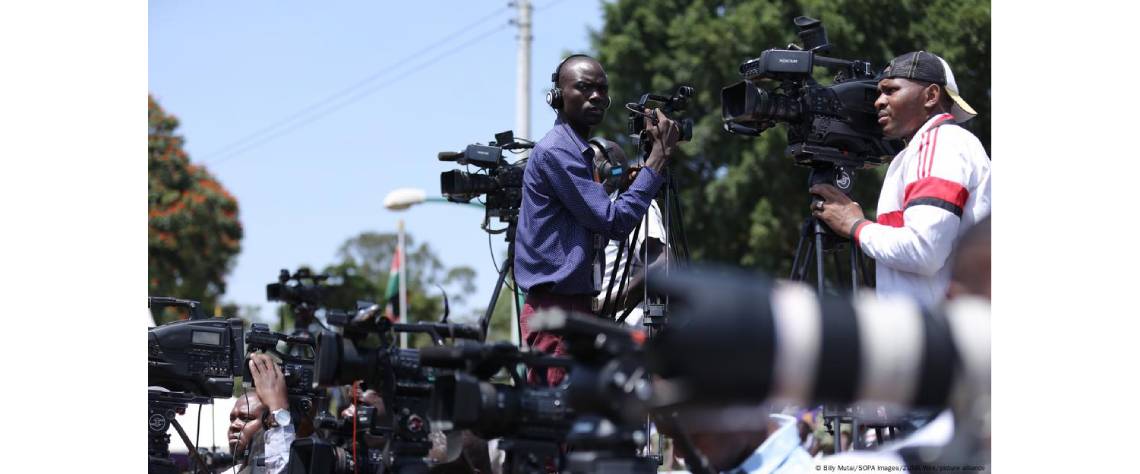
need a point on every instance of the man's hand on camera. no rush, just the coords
(837, 210)
(269, 381)
(665, 135)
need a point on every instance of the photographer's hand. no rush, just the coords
(269, 381)
(665, 135)
(838, 211)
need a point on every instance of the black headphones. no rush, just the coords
(554, 95)
(606, 169)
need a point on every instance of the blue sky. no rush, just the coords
(230, 69)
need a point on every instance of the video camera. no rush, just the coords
(502, 182)
(198, 356)
(831, 129)
(332, 452)
(531, 421)
(302, 287)
(298, 371)
(403, 383)
(599, 413)
(463, 398)
(640, 110)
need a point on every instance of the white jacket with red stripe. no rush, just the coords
(935, 189)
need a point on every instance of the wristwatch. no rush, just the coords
(278, 417)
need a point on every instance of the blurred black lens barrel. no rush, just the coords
(735, 338)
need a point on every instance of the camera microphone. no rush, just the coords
(450, 155)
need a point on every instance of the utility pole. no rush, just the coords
(522, 81)
(522, 120)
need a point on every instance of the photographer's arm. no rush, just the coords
(920, 237)
(572, 182)
(270, 384)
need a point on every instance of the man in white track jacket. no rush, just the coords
(934, 190)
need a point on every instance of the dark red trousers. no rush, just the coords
(545, 342)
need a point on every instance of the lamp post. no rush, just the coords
(403, 198)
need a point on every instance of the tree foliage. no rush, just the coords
(743, 198)
(193, 230)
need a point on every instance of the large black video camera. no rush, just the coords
(464, 398)
(532, 421)
(600, 413)
(198, 356)
(832, 129)
(502, 182)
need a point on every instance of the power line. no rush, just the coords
(226, 150)
(360, 95)
(548, 5)
(313, 112)
(350, 100)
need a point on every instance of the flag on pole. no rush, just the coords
(392, 293)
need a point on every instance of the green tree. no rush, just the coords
(743, 198)
(193, 230)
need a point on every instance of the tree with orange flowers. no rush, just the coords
(193, 232)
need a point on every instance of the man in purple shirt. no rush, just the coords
(566, 216)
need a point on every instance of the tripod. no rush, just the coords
(816, 238)
(162, 408)
(506, 266)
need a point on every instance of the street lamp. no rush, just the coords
(403, 198)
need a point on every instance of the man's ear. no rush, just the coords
(932, 96)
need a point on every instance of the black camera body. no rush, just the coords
(298, 371)
(397, 374)
(298, 288)
(669, 105)
(196, 356)
(502, 181)
(464, 397)
(333, 450)
(827, 126)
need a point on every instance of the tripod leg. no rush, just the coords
(819, 257)
(863, 268)
(805, 260)
(495, 298)
(796, 275)
(518, 309)
(189, 446)
(854, 269)
(838, 267)
(838, 424)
